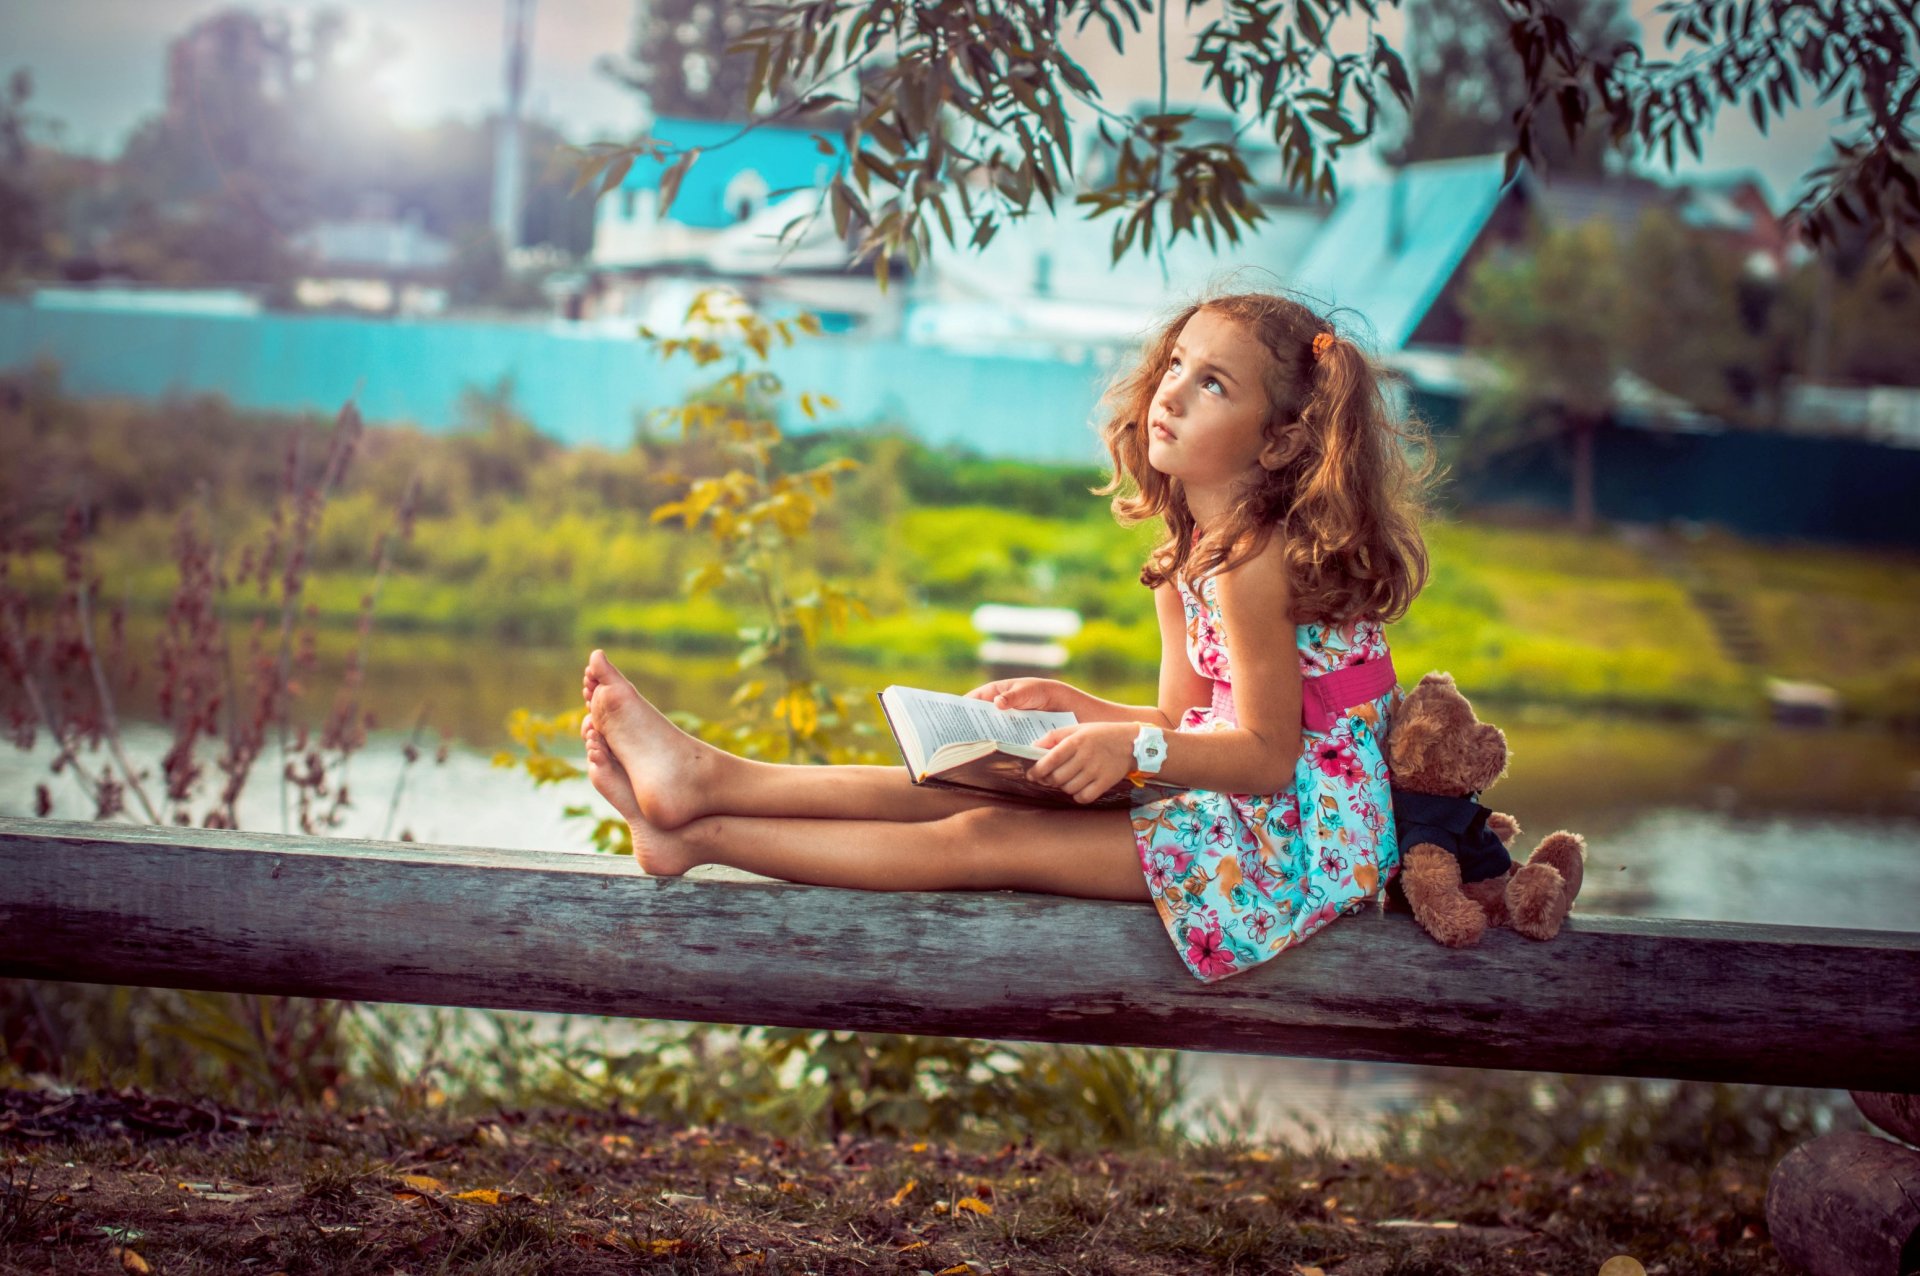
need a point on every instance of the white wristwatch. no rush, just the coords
(1149, 749)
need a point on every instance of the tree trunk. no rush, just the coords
(1847, 1205)
(1585, 426)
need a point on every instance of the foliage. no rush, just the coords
(678, 60)
(1568, 316)
(57, 676)
(969, 105)
(800, 1083)
(22, 235)
(271, 125)
(1482, 1120)
(1468, 86)
(1865, 56)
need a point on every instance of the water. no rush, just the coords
(1712, 821)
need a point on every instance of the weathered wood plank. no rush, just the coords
(401, 922)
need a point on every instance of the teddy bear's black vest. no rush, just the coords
(1454, 824)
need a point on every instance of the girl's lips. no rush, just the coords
(1160, 431)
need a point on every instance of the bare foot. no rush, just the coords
(659, 854)
(668, 770)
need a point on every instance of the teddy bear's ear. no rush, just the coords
(1437, 679)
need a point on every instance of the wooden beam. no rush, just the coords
(463, 926)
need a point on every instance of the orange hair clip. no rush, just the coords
(1322, 343)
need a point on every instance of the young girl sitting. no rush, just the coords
(1262, 441)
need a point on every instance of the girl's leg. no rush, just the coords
(1090, 854)
(676, 778)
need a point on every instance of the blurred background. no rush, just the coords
(1675, 554)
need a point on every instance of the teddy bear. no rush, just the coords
(1455, 874)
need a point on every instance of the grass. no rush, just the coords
(589, 1192)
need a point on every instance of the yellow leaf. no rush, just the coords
(706, 578)
(666, 1246)
(423, 1182)
(806, 406)
(803, 713)
(901, 1195)
(973, 1203)
(662, 513)
(482, 1196)
(129, 1261)
(958, 1269)
(828, 401)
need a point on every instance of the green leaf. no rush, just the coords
(671, 179)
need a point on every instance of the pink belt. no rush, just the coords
(1325, 698)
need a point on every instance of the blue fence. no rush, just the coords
(589, 388)
(577, 386)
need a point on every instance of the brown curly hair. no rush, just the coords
(1348, 501)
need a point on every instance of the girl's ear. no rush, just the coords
(1279, 451)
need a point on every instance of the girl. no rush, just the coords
(1263, 443)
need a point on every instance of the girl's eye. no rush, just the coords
(1215, 383)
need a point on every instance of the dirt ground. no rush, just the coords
(106, 1181)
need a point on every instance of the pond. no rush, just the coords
(1732, 821)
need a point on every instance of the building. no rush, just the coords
(725, 225)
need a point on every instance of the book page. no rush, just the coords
(939, 719)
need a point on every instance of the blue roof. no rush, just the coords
(1443, 206)
(784, 158)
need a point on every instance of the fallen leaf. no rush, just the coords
(1622, 1265)
(482, 1196)
(129, 1261)
(911, 1245)
(1307, 1271)
(958, 1269)
(901, 1195)
(666, 1246)
(752, 1258)
(918, 1147)
(423, 1183)
(973, 1203)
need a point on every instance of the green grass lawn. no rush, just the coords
(1517, 615)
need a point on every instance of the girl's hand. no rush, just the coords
(1086, 759)
(1026, 693)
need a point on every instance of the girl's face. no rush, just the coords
(1206, 424)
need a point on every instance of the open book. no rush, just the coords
(952, 742)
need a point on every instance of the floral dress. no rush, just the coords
(1239, 877)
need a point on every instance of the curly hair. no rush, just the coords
(1347, 503)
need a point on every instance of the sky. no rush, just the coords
(98, 69)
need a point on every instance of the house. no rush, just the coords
(374, 261)
(725, 226)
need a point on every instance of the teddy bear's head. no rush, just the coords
(1438, 747)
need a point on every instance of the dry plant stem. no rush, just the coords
(406, 765)
(67, 759)
(106, 704)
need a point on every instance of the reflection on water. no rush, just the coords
(1730, 821)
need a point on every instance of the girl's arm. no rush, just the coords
(1257, 756)
(1181, 687)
